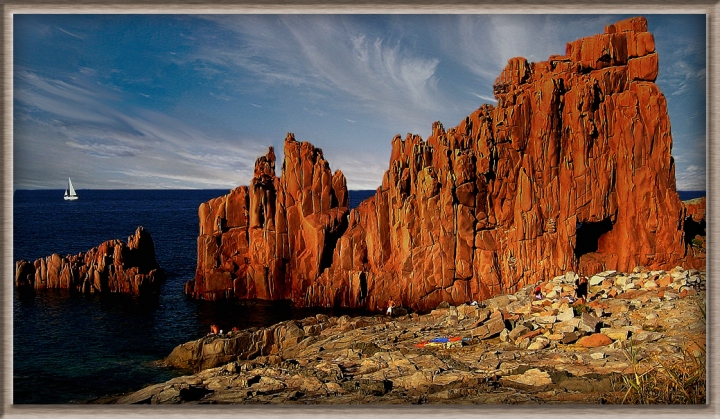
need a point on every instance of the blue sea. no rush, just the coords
(70, 348)
(687, 195)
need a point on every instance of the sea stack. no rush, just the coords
(113, 266)
(570, 171)
(271, 240)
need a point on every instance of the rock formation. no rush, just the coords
(271, 240)
(571, 170)
(113, 266)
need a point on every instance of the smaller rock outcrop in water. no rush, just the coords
(113, 266)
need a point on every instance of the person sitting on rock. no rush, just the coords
(538, 293)
(214, 330)
(391, 304)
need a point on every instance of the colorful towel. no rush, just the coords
(447, 342)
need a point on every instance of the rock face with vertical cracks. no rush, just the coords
(570, 171)
(113, 266)
(272, 239)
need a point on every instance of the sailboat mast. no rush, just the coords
(70, 194)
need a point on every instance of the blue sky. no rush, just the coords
(190, 101)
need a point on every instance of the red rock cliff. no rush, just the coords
(271, 240)
(571, 171)
(113, 266)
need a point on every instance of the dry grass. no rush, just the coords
(678, 380)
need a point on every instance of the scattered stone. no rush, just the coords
(492, 327)
(545, 319)
(566, 315)
(596, 280)
(614, 333)
(517, 332)
(593, 341)
(540, 342)
(588, 323)
(569, 337)
(532, 377)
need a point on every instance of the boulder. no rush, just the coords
(594, 340)
(492, 327)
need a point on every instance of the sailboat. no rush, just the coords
(70, 194)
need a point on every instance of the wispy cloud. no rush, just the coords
(484, 43)
(484, 97)
(680, 77)
(125, 136)
(363, 171)
(693, 178)
(330, 55)
(169, 180)
(69, 33)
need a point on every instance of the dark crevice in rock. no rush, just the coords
(693, 228)
(588, 234)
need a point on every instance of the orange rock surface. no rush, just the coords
(113, 266)
(271, 240)
(594, 340)
(695, 209)
(571, 171)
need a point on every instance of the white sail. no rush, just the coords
(72, 190)
(70, 194)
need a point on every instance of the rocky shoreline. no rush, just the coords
(509, 349)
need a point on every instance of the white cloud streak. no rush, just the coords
(331, 55)
(693, 178)
(83, 120)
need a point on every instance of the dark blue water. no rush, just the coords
(73, 348)
(687, 195)
(356, 197)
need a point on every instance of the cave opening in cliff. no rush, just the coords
(588, 234)
(693, 228)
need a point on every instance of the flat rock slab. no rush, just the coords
(531, 377)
